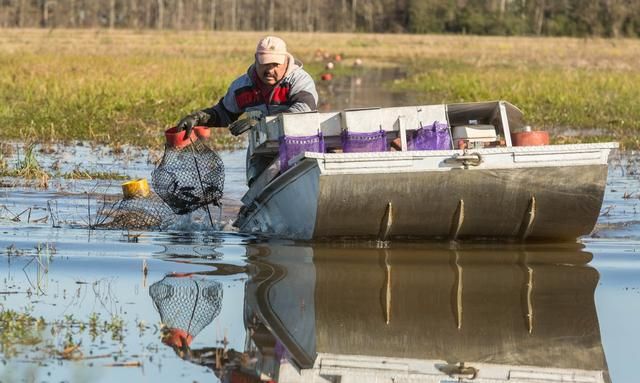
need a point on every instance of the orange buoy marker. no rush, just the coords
(532, 138)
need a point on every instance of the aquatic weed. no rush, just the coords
(3, 163)
(21, 329)
(41, 250)
(45, 249)
(82, 174)
(12, 250)
(18, 329)
(27, 168)
(6, 150)
(116, 327)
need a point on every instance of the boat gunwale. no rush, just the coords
(564, 148)
(311, 158)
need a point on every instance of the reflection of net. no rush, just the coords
(187, 303)
(141, 213)
(190, 177)
(191, 251)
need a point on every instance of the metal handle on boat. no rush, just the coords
(459, 370)
(467, 159)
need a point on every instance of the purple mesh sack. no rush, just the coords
(434, 137)
(291, 146)
(364, 142)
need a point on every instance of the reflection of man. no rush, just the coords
(275, 83)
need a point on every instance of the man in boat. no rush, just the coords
(274, 83)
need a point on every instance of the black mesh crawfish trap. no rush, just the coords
(147, 213)
(140, 209)
(190, 174)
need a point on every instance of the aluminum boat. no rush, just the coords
(468, 177)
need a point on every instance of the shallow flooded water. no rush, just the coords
(364, 89)
(198, 303)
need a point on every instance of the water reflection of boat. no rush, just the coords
(516, 314)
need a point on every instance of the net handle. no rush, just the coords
(195, 160)
(178, 138)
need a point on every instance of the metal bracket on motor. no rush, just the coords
(466, 159)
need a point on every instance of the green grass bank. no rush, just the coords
(128, 86)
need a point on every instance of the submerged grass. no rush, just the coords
(26, 167)
(128, 86)
(20, 330)
(84, 174)
(3, 164)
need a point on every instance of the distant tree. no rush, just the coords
(619, 14)
(160, 16)
(428, 16)
(609, 18)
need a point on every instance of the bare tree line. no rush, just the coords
(494, 17)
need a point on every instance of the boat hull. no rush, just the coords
(495, 203)
(517, 194)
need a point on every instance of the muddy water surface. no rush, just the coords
(196, 303)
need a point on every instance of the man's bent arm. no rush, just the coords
(226, 110)
(220, 116)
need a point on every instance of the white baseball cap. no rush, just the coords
(271, 49)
